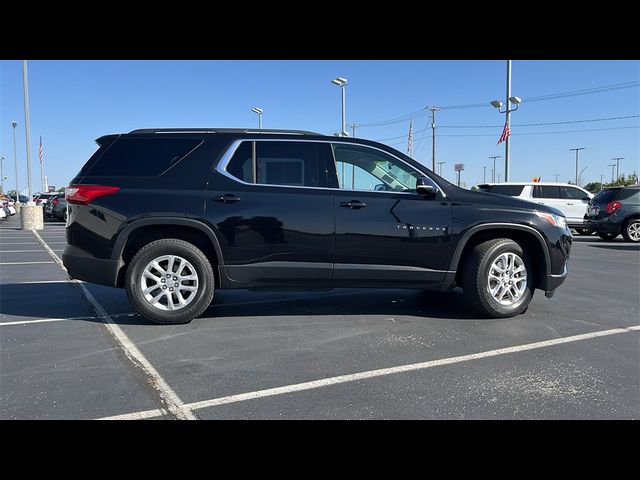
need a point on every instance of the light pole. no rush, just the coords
(617, 159)
(433, 136)
(342, 83)
(353, 127)
(25, 84)
(493, 172)
(440, 167)
(14, 124)
(580, 176)
(259, 112)
(557, 177)
(499, 178)
(601, 177)
(1, 175)
(484, 174)
(577, 150)
(613, 166)
(497, 104)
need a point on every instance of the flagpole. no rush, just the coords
(41, 167)
(508, 124)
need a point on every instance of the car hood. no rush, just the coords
(499, 201)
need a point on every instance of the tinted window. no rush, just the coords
(279, 163)
(632, 194)
(606, 195)
(572, 193)
(361, 168)
(139, 157)
(241, 165)
(546, 191)
(510, 190)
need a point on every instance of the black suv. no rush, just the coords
(171, 215)
(613, 211)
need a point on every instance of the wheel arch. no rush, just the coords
(528, 237)
(140, 232)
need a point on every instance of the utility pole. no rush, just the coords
(613, 166)
(440, 167)
(577, 150)
(617, 159)
(601, 176)
(353, 127)
(493, 174)
(580, 176)
(498, 178)
(1, 175)
(484, 174)
(433, 136)
(557, 177)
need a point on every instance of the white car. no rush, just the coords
(569, 199)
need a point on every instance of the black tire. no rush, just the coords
(64, 216)
(189, 252)
(630, 230)
(607, 236)
(475, 282)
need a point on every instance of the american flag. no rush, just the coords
(410, 140)
(40, 153)
(505, 134)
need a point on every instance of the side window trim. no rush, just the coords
(221, 167)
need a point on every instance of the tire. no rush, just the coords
(191, 261)
(607, 236)
(476, 282)
(64, 216)
(631, 230)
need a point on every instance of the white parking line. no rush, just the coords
(22, 263)
(44, 320)
(353, 377)
(168, 397)
(20, 251)
(137, 415)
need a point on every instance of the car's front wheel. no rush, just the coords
(631, 232)
(607, 236)
(170, 281)
(498, 278)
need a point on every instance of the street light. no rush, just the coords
(497, 104)
(342, 83)
(14, 124)
(259, 111)
(577, 150)
(493, 172)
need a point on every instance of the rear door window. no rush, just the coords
(572, 193)
(546, 191)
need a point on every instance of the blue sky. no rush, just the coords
(74, 102)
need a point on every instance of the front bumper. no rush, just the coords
(84, 266)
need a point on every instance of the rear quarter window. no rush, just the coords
(509, 190)
(141, 157)
(606, 195)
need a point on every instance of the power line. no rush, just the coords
(523, 124)
(540, 98)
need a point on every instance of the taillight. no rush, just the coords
(84, 194)
(612, 207)
(56, 201)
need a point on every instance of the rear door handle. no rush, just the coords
(227, 198)
(353, 204)
(569, 203)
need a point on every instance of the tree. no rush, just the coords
(474, 189)
(593, 187)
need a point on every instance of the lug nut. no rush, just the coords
(175, 278)
(163, 280)
(164, 287)
(171, 289)
(168, 275)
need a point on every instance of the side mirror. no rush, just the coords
(428, 191)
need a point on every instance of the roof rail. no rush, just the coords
(223, 130)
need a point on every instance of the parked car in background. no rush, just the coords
(46, 209)
(43, 198)
(569, 199)
(614, 211)
(59, 207)
(7, 205)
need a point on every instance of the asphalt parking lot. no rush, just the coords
(72, 350)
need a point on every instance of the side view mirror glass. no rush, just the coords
(428, 191)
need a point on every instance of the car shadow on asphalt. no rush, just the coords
(33, 301)
(627, 247)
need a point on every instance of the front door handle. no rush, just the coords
(353, 204)
(227, 198)
(569, 203)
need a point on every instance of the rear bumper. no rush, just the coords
(602, 226)
(84, 266)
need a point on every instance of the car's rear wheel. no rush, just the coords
(498, 278)
(631, 231)
(607, 236)
(170, 281)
